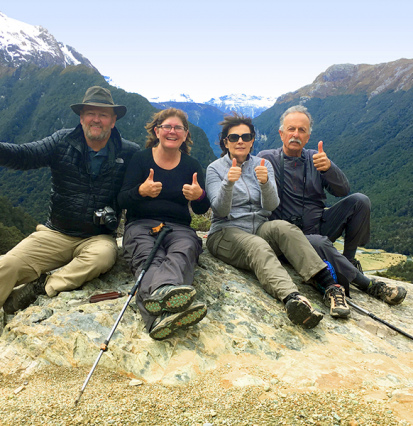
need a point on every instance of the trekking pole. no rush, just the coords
(379, 319)
(161, 231)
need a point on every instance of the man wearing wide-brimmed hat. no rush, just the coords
(87, 166)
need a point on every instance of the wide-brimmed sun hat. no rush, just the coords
(100, 97)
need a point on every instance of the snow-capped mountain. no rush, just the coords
(22, 43)
(179, 97)
(250, 106)
(247, 105)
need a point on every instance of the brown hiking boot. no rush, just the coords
(168, 323)
(357, 264)
(25, 295)
(300, 312)
(389, 293)
(335, 297)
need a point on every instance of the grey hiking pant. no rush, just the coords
(258, 253)
(174, 262)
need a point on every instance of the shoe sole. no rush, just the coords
(176, 300)
(399, 299)
(303, 315)
(179, 321)
(340, 313)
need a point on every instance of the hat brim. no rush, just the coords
(120, 110)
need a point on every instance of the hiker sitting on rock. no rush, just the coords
(159, 183)
(302, 176)
(87, 167)
(243, 194)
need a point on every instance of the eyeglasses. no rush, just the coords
(168, 128)
(246, 137)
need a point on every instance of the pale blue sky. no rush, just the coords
(216, 47)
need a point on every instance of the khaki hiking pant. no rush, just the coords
(80, 260)
(259, 253)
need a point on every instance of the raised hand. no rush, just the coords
(150, 188)
(194, 191)
(234, 172)
(262, 172)
(320, 160)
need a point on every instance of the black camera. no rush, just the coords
(297, 221)
(107, 217)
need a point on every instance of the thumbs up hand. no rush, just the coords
(194, 191)
(234, 173)
(150, 188)
(262, 172)
(320, 160)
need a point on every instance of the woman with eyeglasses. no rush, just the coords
(159, 183)
(243, 193)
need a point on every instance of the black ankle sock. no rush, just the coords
(324, 278)
(361, 281)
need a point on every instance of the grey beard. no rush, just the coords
(101, 137)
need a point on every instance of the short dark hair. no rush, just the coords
(228, 123)
(158, 118)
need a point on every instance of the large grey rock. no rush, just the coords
(244, 327)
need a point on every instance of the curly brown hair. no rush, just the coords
(158, 118)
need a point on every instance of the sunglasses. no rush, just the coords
(246, 137)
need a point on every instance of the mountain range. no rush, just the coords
(21, 43)
(252, 106)
(361, 112)
(207, 115)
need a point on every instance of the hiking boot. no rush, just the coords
(389, 293)
(356, 264)
(170, 298)
(335, 297)
(168, 323)
(300, 312)
(25, 295)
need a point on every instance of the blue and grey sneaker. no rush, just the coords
(170, 298)
(168, 323)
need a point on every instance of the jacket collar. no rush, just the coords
(229, 161)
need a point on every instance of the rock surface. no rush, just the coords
(244, 327)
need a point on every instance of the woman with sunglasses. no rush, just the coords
(159, 183)
(243, 193)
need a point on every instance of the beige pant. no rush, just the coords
(80, 260)
(258, 253)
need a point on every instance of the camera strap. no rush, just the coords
(281, 195)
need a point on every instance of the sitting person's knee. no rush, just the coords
(362, 200)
